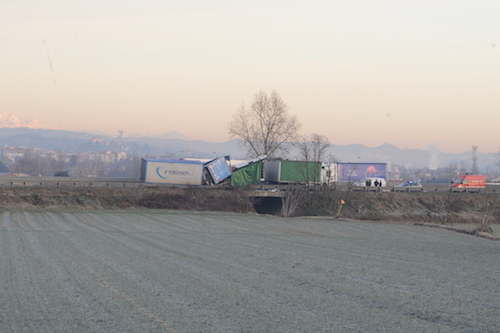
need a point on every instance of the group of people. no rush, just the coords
(375, 183)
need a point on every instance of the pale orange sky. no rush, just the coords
(364, 72)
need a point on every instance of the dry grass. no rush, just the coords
(424, 207)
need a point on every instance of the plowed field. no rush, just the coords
(177, 271)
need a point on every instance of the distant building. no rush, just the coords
(107, 157)
(13, 153)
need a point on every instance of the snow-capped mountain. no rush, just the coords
(9, 120)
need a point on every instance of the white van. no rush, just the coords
(371, 181)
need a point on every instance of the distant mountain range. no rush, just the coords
(15, 133)
(9, 120)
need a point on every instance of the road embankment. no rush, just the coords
(425, 207)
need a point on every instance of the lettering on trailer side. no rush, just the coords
(165, 173)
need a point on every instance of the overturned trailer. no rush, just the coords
(248, 172)
(184, 172)
(217, 170)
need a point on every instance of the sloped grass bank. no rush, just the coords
(112, 198)
(424, 208)
(435, 207)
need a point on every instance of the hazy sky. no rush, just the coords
(356, 71)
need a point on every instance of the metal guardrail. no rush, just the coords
(78, 182)
(445, 188)
(69, 182)
(426, 189)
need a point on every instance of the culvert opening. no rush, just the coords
(270, 206)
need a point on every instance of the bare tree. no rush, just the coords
(452, 171)
(313, 148)
(34, 164)
(486, 212)
(291, 200)
(267, 127)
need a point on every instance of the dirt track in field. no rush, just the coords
(175, 271)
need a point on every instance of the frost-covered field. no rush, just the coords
(171, 271)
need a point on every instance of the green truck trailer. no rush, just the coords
(279, 171)
(248, 173)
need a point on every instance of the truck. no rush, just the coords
(248, 172)
(329, 174)
(469, 181)
(360, 171)
(278, 171)
(217, 170)
(184, 172)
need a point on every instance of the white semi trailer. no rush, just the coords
(184, 172)
(172, 171)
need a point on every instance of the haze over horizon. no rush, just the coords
(407, 74)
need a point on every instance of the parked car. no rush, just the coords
(409, 183)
